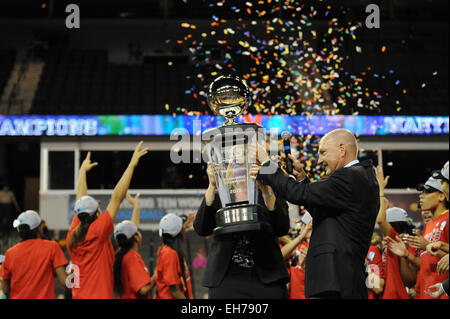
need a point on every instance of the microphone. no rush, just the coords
(286, 136)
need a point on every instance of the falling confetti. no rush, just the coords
(292, 65)
(286, 71)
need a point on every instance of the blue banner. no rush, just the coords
(147, 125)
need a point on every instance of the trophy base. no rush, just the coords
(228, 230)
(239, 219)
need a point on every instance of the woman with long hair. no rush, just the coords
(173, 278)
(88, 239)
(131, 277)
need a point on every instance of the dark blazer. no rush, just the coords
(344, 207)
(445, 287)
(269, 264)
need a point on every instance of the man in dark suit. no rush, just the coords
(344, 208)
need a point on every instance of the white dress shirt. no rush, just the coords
(352, 163)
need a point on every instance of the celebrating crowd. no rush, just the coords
(401, 262)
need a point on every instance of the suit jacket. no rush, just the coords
(445, 287)
(344, 207)
(269, 264)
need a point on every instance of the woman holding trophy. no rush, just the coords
(244, 217)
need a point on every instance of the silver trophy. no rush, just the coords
(228, 150)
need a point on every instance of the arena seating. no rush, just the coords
(83, 82)
(7, 58)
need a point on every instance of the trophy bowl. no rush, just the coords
(228, 96)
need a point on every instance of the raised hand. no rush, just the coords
(210, 192)
(189, 221)
(138, 153)
(122, 186)
(136, 214)
(302, 257)
(87, 165)
(305, 231)
(134, 201)
(210, 172)
(382, 181)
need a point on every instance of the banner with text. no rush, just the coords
(148, 125)
(152, 207)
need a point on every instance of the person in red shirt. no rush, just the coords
(432, 198)
(396, 281)
(442, 175)
(173, 279)
(392, 222)
(131, 277)
(2, 295)
(29, 267)
(88, 239)
(297, 272)
(375, 271)
(439, 248)
(299, 247)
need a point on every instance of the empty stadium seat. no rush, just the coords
(83, 81)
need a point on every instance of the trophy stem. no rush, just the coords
(229, 121)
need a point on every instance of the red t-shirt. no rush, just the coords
(286, 261)
(297, 283)
(393, 285)
(30, 266)
(168, 273)
(374, 261)
(435, 230)
(94, 257)
(134, 275)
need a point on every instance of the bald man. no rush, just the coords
(337, 149)
(344, 207)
